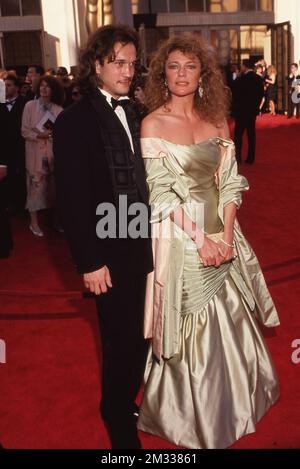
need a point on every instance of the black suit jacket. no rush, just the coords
(89, 146)
(247, 93)
(12, 142)
(291, 87)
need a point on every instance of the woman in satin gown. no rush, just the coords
(210, 377)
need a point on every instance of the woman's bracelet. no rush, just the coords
(227, 244)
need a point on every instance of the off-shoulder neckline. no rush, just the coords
(214, 139)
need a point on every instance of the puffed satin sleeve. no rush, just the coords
(166, 190)
(245, 270)
(230, 183)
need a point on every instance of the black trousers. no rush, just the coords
(17, 191)
(6, 242)
(243, 123)
(121, 317)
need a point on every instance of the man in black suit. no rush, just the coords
(247, 91)
(98, 161)
(13, 144)
(293, 86)
(5, 231)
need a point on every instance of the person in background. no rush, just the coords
(247, 94)
(13, 144)
(262, 63)
(6, 241)
(293, 86)
(63, 75)
(271, 82)
(51, 71)
(75, 93)
(39, 154)
(25, 90)
(137, 91)
(33, 75)
(260, 72)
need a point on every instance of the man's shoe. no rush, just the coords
(123, 436)
(4, 255)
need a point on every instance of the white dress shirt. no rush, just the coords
(121, 115)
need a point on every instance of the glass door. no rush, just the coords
(281, 58)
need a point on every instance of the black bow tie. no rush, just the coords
(12, 102)
(119, 102)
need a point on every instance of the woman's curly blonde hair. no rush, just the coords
(213, 107)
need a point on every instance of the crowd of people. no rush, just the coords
(209, 376)
(268, 75)
(26, 123)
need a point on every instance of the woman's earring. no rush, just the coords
(200, 89)
(166, 89)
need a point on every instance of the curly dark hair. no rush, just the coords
(57, 90)
(101, 45)
(213, 107)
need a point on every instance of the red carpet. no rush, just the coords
(50, 382)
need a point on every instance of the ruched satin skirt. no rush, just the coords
(222, 381)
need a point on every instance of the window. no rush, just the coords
(20, 7)
(177, 5)
(252, 40)
(22, 48)
(230, 6)
(31, 7)
(217, 6)
(159, 6)
(196, 5)
(266, 5)
(214, 6)
(248, 5)
(10, 7)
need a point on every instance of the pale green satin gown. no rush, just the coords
(211, 377)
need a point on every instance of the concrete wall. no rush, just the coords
(65, 31)
(60, 18)
(289, 10)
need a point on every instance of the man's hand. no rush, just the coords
(3, 172)
(99, 281)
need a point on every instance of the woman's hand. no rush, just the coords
(226, 252)
(210, 253)
(44, 135)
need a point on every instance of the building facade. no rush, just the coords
(51, 32)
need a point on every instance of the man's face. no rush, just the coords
(294, 69)
(31, 74)
(116, 76)
(11, 89)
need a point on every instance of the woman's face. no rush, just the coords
(45, 90)
(76, 95)
(139, 94)
(182, 73)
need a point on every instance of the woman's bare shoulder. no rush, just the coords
(151, 124)
(223, 130)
